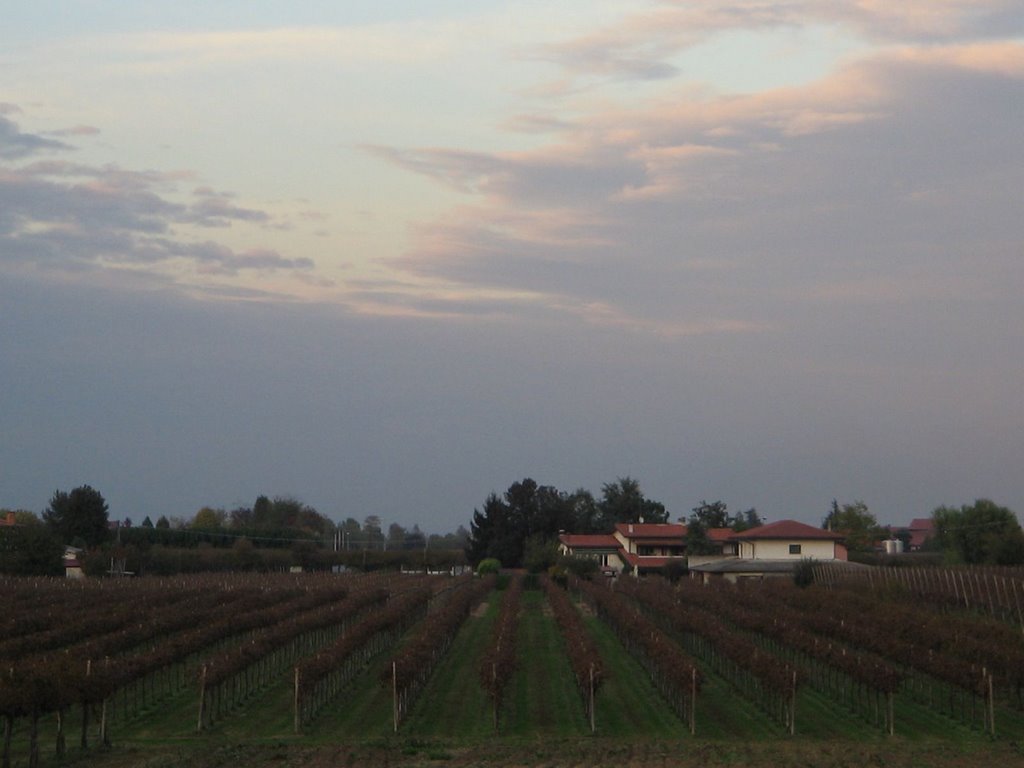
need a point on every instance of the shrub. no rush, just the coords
(674, 570)
(803, 574)
(581, 567)
(488, 565)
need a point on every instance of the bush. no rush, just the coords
(30, 551)
(559, 575)
(803, 574)
(488, 566)
(674, 570)
(581, 567)
(540, 554)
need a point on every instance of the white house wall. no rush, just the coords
(779, 550)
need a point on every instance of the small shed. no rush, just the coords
(73, 563)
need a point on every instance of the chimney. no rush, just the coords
(630, 527)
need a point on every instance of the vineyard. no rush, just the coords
(95, 669)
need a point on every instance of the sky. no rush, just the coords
(389, 257)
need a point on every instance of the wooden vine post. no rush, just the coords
(494, 699)
(693, 701)
(298, 715)
(8, 734)
(85, 710)
(593, 723)
(792, 708)
(991, 702)
(104, 736)
(891, 712)
(61, 747)
(202, 699)
(394, 694)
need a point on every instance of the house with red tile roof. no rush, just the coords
(604, 548)
(774, 548)
(922, 530)
(643, 547)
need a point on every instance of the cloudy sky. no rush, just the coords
(387, 257)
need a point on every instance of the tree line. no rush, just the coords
(270, 534)
(520, 527)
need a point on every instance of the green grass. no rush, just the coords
(627, 703)
(542, 722)
(543, 700)
(453, 705)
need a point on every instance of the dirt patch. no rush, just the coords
(588, 753)
(585, 608)
(480, 610)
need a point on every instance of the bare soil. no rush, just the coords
(585, 753)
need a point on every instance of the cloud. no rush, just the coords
(15, 145)
(75, 217)
(720, 214)
(77, 130)
(641, 45)
(215, 209)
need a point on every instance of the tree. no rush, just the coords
(351, 533)
(209, 519)
(715, 514)
(586, 514)
(78, 515)
(163, 523)
(372, 530)
(22, 516)
(623, 502)
(415, 539)
(241, 517)
(539, 554)
(396, 536)
(982, 532)
(287, 512)
(457, 540)
(712, 515)
(856, 523)
(491, 533)
(262, 513)
(744, 521)
(527, 510)
(30, 550)
(147, 523)
(697, 540)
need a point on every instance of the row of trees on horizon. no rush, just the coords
(523, 522)
(81, 518)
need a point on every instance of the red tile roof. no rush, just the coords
(639, 561)
(721, 534)
(922, 530)
(651, 530)
(788, 529)
(675, 541)
(589, 541)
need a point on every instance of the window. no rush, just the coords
(794, 549)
